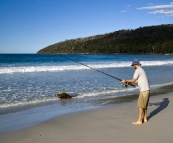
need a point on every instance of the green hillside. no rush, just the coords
(143, 40)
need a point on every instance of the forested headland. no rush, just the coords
(143, 40)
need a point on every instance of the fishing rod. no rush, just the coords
(124, 84)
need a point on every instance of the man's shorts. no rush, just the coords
(143, 99)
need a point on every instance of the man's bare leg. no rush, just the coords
(145, 115)
(140, 113)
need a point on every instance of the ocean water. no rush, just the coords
(29, 82)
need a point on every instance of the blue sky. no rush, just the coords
(27, 26)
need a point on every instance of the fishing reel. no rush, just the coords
(125, 84)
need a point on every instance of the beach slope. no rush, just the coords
(112, 125)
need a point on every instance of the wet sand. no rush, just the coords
(111, 124)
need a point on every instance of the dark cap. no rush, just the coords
(135, 62)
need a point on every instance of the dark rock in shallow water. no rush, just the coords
(65, 95)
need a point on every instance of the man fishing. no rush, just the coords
(140, 77)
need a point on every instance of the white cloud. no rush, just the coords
(123, 11)
(169, 13)
(160, 9)
(127, 9)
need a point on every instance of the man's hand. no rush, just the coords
(123, 81)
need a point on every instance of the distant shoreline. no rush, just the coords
(82, 54)
(143, 40)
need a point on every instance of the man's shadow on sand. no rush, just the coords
(161, 106)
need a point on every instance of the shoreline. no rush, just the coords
(11, 122)
(117, 100)
(107, 124)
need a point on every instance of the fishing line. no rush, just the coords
(125, 84)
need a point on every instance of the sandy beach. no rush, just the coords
(111, 124)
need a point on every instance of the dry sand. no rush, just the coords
(106, 125)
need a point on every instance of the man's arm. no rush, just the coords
(133, 80)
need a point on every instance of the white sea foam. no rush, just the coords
(39, 69)
(114, 93)
(120, 90)
(50, 99)
(20, 103)
(160, 85)
(23, 69)
(106, 92)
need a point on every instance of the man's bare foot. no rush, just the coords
(145, 120)
(137, 123)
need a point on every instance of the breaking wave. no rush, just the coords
(23, 69)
